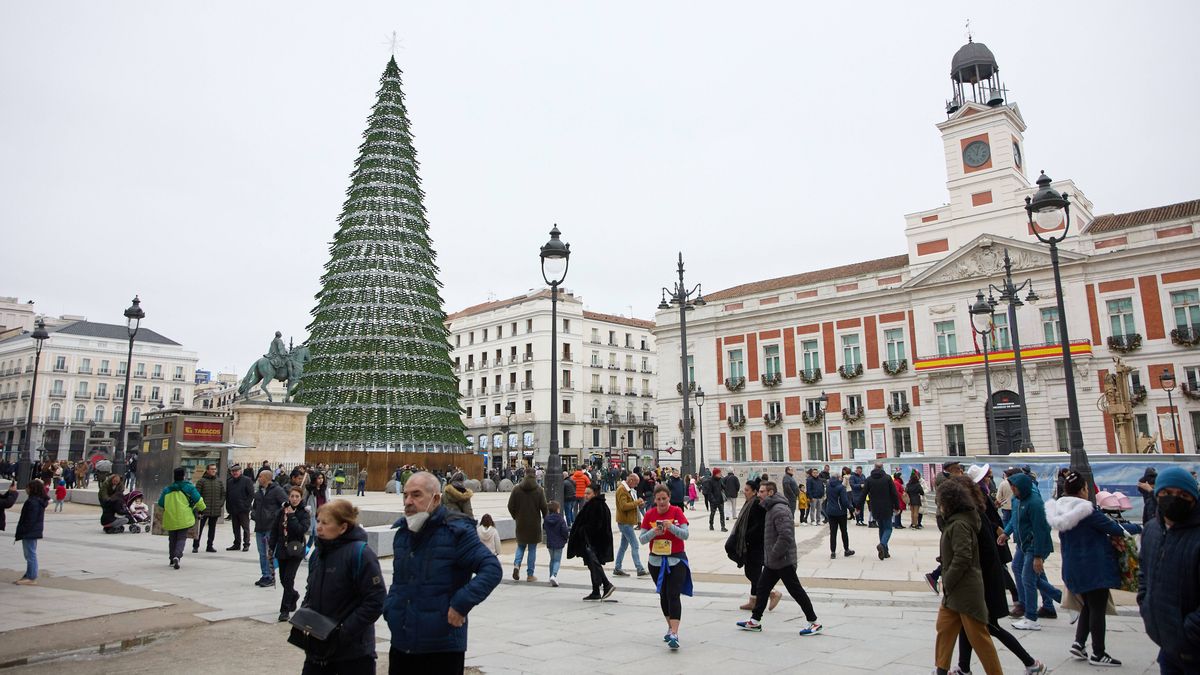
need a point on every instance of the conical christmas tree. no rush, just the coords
(380, 372)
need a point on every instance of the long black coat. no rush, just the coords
(992, 569)
(592, 528)
(881, 490)
(6, 502)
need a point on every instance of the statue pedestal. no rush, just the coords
(276, 432)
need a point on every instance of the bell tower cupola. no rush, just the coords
(974, 78)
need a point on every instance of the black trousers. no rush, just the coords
(766, 583)
(714, 509)
(241, 528)
(175, 542)
(364, 665)
(752, 568)
(436, 663)
(211, 522)
(287, 575)
(836, 523)
(599, 580)
(1091, 619)
(1006, 638)
(672, 588)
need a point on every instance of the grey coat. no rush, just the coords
(791, 490)
(779, 535)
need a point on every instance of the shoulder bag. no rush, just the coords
(314, 632)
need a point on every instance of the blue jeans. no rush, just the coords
(521, 554)
(264, 558)
(29, 547)
(362, 489)
(569, 511)
(1029, 583)
(555, 561)
(628, 540)
(885, 531)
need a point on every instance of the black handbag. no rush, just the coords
(314, 633)
(291, 549)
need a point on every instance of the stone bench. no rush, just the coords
(379, 537)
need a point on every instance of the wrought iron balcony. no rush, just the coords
(85, 371)
(526, 386)
(691, 387)
(1137, 394)
(810, 375)
(1186, 336)
(895, 367)
(1191, 391)
(528, 356)
(82, 395)
(772, 379)
(773, 419)
(899, 413)
(104, 371)
(1125, 343)
(812, 419)
(54, 393)
(851, 371)
(597, 389)
(736, 422)
(735, 383)
(852, 415)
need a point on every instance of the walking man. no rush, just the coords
(816, 497)
(1169, 579)
(212, 492)
(179, 502)
(858, 485)
(239, 495)
(440, 572)
(527, 506)
(268, 501)
(731, 485)
(627, 521)
(791, 490)
(885, 503)
(779, 562)
(362, 483)
(716, 499)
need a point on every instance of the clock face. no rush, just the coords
(1017, 154)
(976, 154)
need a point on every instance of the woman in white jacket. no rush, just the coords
(488, 534)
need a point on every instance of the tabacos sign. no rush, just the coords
(203, 431)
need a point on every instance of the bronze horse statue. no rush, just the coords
(262, 371)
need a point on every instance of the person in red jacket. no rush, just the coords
(582, 481)
(900, 494)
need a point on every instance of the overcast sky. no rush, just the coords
(198, 153)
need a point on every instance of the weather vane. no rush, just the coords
(968, 32)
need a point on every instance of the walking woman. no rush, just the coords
(289, 533)
(991, 567)
(1089, 566)
(837, 512)
(591, 540)
(963, 605)
(345, 585)
(29, 529)
(666, 528)
(915, 491)
(745, 544)
(318, 494)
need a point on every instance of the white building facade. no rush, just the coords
(81, 382)
(890, 341)
(606, 375)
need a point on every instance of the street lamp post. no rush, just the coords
(610, 416)
(1049, 211)
(510, 409)
(700, 424)
(1167, 381)
(556, 258)
(824, 399)
(687, 301)
(1010, 294)
(981, 322)
(133, 320)
(25, 461)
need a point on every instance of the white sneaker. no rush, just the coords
(1026, 624)
(554, 581)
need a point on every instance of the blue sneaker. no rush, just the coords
(667, 638)
(811, 629)
(750, 625)
(672, 641)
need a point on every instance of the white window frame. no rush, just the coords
(947, 337)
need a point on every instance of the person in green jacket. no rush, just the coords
(179, 502)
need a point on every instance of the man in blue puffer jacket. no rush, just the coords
(441, 571)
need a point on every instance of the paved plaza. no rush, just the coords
(118, 591)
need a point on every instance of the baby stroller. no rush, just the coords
(137, 512)
(114, 516)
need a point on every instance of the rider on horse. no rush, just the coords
(278, 354)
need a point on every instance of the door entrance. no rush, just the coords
(1006, 407)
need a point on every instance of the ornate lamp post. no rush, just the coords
(824, 399)
(133, 320)
(687, 301)
(1010, 295)
(510, 409)
(25, 461)
(1167, 381)
(610, 416)
(700, 426)
(556, 258)
(1049, 211)
(981, 322)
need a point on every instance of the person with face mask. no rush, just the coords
(440, 572)
(1169, 577)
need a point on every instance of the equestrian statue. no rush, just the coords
(279, 363)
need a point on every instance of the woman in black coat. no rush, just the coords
(591, 540)
(291, 526)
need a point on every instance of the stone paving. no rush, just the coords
(876, 613)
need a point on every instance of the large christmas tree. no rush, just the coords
(380, 372)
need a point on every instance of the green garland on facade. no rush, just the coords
(380, 373)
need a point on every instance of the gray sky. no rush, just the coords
(198, 153)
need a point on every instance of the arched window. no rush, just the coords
(99, 416)
(136, 418)
(55, 412)
(116, 415)
(497, 441)
(80, 413)
(483, 442)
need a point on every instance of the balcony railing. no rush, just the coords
(139, 376)
(738, 422)
(1191, 391)
(137, 398)
(811, 419)
(1137, 394)
(528, 356)
(156, 376)
(82, 396)
(773, 419)
(57, 394)
(8, 395)
(1186, 336)
(895, 366)
(60, 370)
(179, 378)
(483, 365)
(1125, 343)
(646, 394)
(772, 379)
(850, 371)
(104, 371)
(735, 383)
(852, 415)
(895, 413)
(810, 375)
(526, 386)
(691, 387)
(85, 371)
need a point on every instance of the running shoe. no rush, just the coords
(750, 625)
(1038, 668)
(672, 641)
(1078, 651)
(1026, 624)
(608, 591)
(932, 581)
(811, 629)
(1103, 660)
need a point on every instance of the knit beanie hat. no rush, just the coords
(1175, 477)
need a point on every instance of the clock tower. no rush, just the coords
(982, 135)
